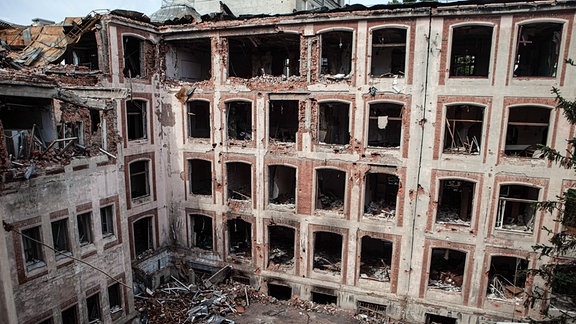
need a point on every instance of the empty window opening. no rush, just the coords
(84, 52)
(280, 292)
(385, 125)
(563, 295)
(517, 208)
(537, 50)
(190, 60)
(93, 304)
(70, 315)
(324, 299)
(527, 128)
(74, 131)
(447, 270)
(136, 119)
(239, 238)
(569, 212)
(85, 228)
(328, 252)
(334, 123)
(259, 55)
(201, 231)
(471, 46)
(133, 57)
(437, 319)
(60, 238)
(33, 254)
(282, 184)
(139, 184)
(281, 246)
(107, 220)
(95, 120)
(375, 259)
(115, 298)
(239, 177)
(455, 199)
(199, 119)
(143, 236)
(283, 120)
(463, 132)
(239, 120)
(47, 321)
(337, 49)
(200, 177)
(372, 311)
(381, 193)
(331, 186)
(506, 278)
(388, 52)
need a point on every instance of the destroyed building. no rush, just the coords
(383, 159)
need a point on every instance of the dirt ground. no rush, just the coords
(287, 314)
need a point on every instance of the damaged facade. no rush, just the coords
(383, 159)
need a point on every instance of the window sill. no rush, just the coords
(62, 255)
(32, 267)
(140, 200)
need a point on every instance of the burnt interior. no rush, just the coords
(282, 185)
(331, 186)
(239, 120)
(239, 177)
(281, 245)
(507, 277)
(259, 55)
(142, 235)
(385, 125)
(279, 292)
(239, 238)
(201, 231)
(334, 123)
(447, 269)
(471, 46)
(375, 259)
(189, 60)
(388, 52)
(328, 252)
(200, 177)
(283, 120)
(198, 119)
(133, 57)
(538, 48)
(337, 53)
(84, 52)
(455, 201)
(527, 128)
(324, 299)
(463, 126)
(381, 192)
(517, 207)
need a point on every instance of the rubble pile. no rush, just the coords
(375, 271)
(446, 281)
(450, 216)
(332, 203)
(324, 261)
(380, 209)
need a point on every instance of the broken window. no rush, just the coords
(330, 189)
(60, 238)
(201, 231)
(281, 246)
(239, 120)
(33, 255)
(437, 319)
(328, 252)
(136, 119)
(189, 60)
(133, 57)
(507, 277)
(282, 185)
(337, 49)
(324, 299)
(283, 120)
(463, 133)
(143, 236)
(517, 207)
(527, 128)
(447, 269)
(375, 259)
(200, 177)
(239, 238)
(70, 315)
(388, 52)
(259, 55)
(372, 311)
(280, 292)
(381, 193)
(115, 298)
(563, 295)
(199, 119)
(334, 125)
(537, 49)
(455, 199)
(385, 125)
(239, 176)
(471, 46)
(107, 220)
(85, 228)
(139, 184)
(84, 52)
(71, 130)
(93, 303)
